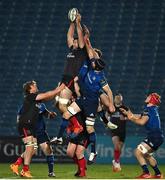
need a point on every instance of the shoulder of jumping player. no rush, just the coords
(31, 97)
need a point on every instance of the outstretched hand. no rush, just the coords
(128, 113)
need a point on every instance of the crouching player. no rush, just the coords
(77, 145)
(144, 151)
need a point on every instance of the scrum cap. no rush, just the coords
(155, 99)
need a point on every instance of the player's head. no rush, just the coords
(118, 100)
(98, 65)
(30, 87)
(153, 99)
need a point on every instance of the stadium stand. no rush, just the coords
(131, 35)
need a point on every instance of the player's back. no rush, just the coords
(153, 125)
(92, 83)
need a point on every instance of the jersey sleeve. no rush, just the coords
(103, 81)
(43, 108)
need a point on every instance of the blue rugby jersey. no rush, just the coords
(153, 125)
(91, 81)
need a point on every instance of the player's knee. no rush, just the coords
(34, 151)
(49, 150)
(29, 147)
(70, 153)
(90, 129)
(117, 146)
(79, 154)
(62, 108)
(46, 148)
(67, 115)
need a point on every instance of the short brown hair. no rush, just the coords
(26, 86)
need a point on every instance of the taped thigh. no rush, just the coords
(30, 143)
(142, 149)
(35, 145)
(90, 121)
(63, 101)
(71, 110)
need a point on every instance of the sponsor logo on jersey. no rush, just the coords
(70, 55)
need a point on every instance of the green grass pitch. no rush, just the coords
(66, 171)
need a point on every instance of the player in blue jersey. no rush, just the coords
(43, 137)
(151, 120)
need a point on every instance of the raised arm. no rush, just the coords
(91, 52)
(80, 32)
(50, 94)
(70, 34)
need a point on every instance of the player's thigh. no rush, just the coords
(90, 129)
(104, 99)
(143, 148)
(71, 110)
(66, 93)
(46, 148)
(71, 149)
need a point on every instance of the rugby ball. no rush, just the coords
(72, 14)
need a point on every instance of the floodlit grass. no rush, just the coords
(66, 171)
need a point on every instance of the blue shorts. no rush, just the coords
(154, 142)
(88, 106)
(42, 137)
